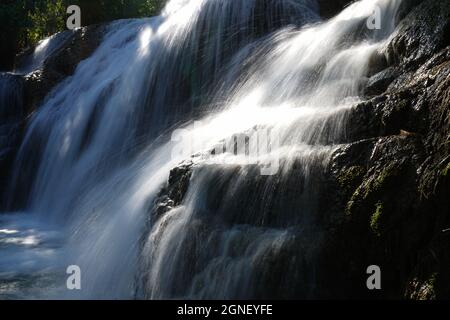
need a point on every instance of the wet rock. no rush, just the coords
(378, 83)
(377, 63)
(421, 34)
(406, 7)
(61, 63)
(175, 191)
(389, 190)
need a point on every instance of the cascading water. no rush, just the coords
(98, 151)
(235, 239)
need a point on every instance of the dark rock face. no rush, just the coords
(390, 190)
(385, 199)
(421, 34)
(173, 194)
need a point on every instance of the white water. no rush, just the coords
(100, 143)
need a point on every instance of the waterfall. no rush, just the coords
(100, 148)
(225, 242)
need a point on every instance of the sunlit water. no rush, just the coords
(99, 150)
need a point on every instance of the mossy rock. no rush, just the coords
(446, 170)
(375, 224)
(351, 176)
(378, 182)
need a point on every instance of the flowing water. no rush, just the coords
(101, 147)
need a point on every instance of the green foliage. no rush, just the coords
(107, 10)
(147, 7)
(46, 19)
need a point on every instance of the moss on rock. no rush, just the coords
(375, 224)
(446, 170)
(348, 177)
